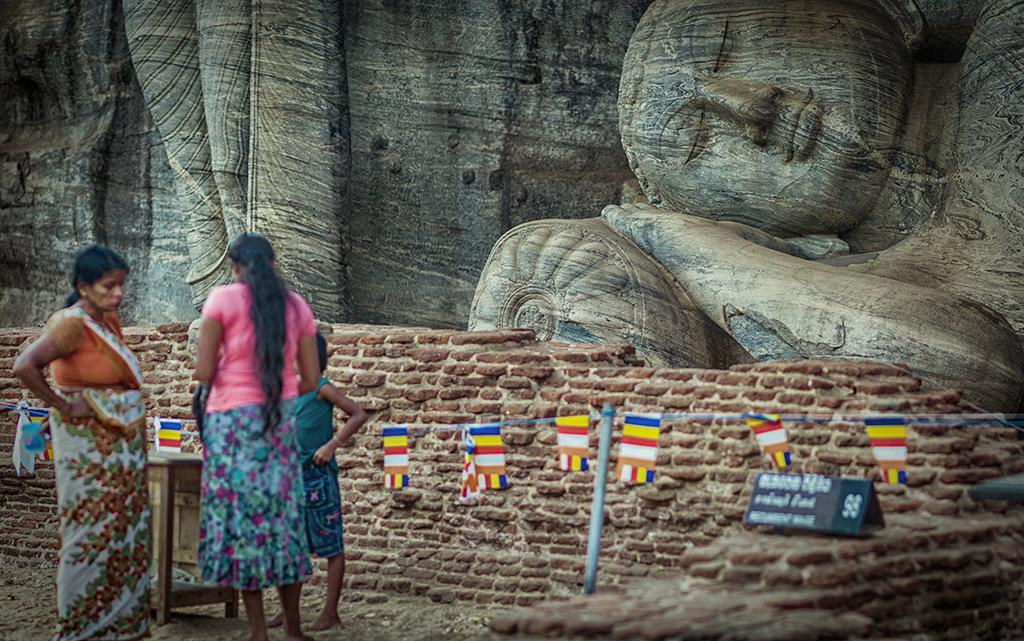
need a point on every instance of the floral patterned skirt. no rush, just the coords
(103, 571)
(252, 531)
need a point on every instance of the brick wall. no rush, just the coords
(526, 543)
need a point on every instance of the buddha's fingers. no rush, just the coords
(780, 306)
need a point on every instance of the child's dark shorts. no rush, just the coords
(323, 510)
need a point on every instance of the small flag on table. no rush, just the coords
(167, 434)
(573, 442)
(489, 456)
(888, 436)
(469, 487)
(771, 436)
(638, 449)
(396, 456)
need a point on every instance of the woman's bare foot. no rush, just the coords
(325, 621)
(277, 621)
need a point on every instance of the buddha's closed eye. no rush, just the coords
(785, 121)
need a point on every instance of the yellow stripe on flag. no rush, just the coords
(174, 435)
(488, 440)
(395, 441)
(650, 433)
(876, 431)
(573, 421)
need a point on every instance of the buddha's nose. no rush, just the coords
(768, 115)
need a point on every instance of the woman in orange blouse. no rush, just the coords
(98, 428)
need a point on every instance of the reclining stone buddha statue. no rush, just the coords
(809, 191)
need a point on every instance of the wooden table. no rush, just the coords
(174, 482)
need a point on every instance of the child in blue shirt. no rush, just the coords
(317, 445)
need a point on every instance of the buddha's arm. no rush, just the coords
(780, 306)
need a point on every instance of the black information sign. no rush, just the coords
(814, 502)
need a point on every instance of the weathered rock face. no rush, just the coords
(469, 118)
(382, 146)
(80, 162)
(777, 139)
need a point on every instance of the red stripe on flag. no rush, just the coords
(636, 440)
(489, 449)
(166, 442)
(573, 430)
(398, 449)
(888, 442)
(766, 427)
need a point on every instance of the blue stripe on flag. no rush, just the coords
(646, 421)
(884, 420)
(398, 430)
(485, 430)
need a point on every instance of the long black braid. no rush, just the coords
(253, 253)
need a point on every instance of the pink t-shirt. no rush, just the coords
(237, 380)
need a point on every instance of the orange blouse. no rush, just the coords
(84, 361)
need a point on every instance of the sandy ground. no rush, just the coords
(28, 594)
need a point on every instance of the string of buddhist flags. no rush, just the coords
(637, 459)
(484, 461)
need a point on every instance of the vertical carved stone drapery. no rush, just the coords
(248, 96)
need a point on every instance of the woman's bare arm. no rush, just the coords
(29, 368)
(206, 352)
(309, 364)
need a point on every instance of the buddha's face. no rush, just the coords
(775, 114)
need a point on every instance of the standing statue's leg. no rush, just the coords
(297, 154)
(225, 35)
(164, 46)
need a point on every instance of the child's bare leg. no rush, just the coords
(335, 574)
(290, 610)
(253, 600)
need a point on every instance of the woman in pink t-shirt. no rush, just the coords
(253, 336)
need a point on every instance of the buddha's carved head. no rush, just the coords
(775, 114)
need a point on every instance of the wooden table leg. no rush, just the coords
(164, 542)
(231, 607)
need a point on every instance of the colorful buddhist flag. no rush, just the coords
(33, 435)
(396, 457)
(21, 456)
(488, 456)
(771, 436)
(888, 436)
(638, 449)
(167, 434)
(469, 488)
(47, 454)
(573, 442)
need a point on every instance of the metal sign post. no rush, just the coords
(597, 507)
